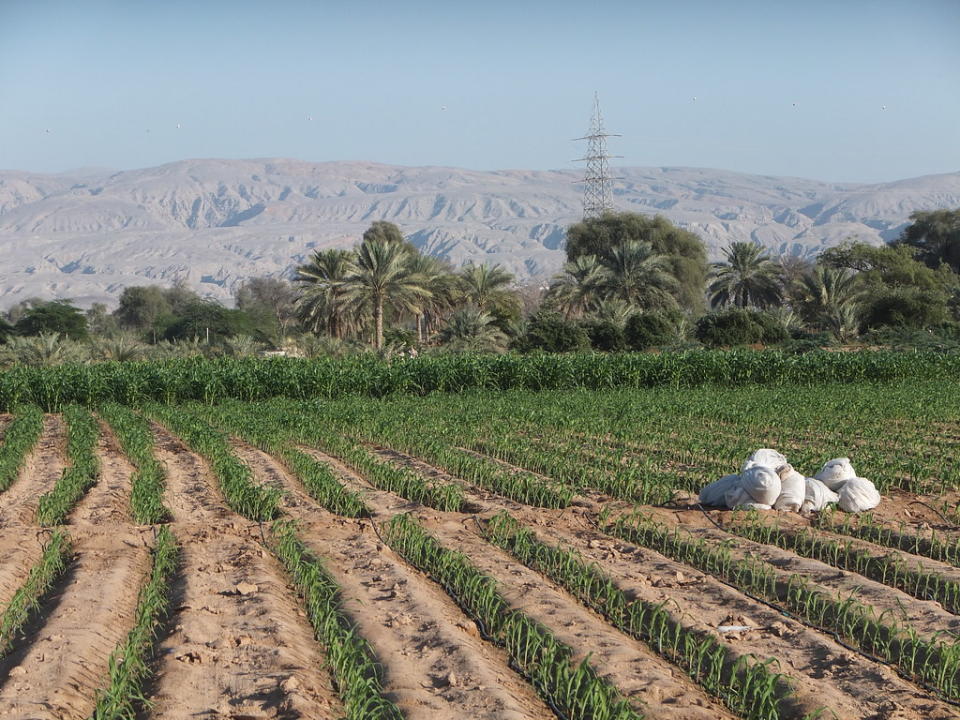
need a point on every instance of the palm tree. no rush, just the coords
(635, 273)
(323, 302)
(470, 328)
(486, 287)
(576, 290)
(382, 275)
(829, 299)
(747, 278)
(442, 284)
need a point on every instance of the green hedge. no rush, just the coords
(205, 380)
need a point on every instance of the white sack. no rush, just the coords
(736, 497)
(817, 496)
(764, 457)
(715, 492)
(857, 495)
(762, 484)
(792, 489)
(836, 472)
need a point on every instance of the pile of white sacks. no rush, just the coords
(767, 481)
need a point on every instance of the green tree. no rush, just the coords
(268, 296)
(142, 306)
(685, 253)
(6, 330)
(387, 232)
(472, 329)
(551, 332)
(635, 273)
(577, 289)
(58, 317)
(381, 276)
(208, 320)
(488, 287)
(323, 302)
(828, 299)
(746, 278)
(936, 236)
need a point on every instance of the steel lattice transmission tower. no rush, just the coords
(597, 182)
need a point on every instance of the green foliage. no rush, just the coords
(6, 330)
(650, 329)
(208, 319)
(27, 599)
(605, 335)
(905, 307)
(470, 329)
(746, 278)
(57, 316)
(19, 438)
(739, 326)
(129, 664)
(575, 690)
(83, 472)
(551, 332)
(684, 252)
(147, 483)
(354, 667)
(936, 236)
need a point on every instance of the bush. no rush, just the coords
(739, 326)
(907, 307)
(551, 332)
(651, 329)
(605, 335)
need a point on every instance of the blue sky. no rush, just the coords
(781, 87)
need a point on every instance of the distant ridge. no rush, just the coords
(214, 223)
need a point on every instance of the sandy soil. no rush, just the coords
(240, 646)
(41, 470)
(108, 502)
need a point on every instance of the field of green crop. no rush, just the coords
(354, 539)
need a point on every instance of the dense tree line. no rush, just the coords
(630, 282)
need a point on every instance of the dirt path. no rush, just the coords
(626, 663)
(240, 647)
(55, 672)
(41, 470)
(19, 550)
(108, 502)
(436, 666)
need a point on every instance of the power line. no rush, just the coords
(597, 182)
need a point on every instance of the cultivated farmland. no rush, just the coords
(511, 553)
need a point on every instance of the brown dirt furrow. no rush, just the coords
(190, 489)
(824, 672)
(925, 616)
(55, 674)
(107, 504)
(19, 551)
(628, 664)
(240, 645)
(436, 666)
(41, 470)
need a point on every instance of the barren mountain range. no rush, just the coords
(212, 223)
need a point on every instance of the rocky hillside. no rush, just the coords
(213, 223)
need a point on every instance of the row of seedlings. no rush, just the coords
(573, 691)
(943, 548)
(82, 473)
(746, 685)
(26, 601)
(148, 481)
(129, 671)
(892, 570)
(933, 663)
(354, 668)
(266, 433)
(19, 439)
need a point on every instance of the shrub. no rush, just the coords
(739, 326)
(551, 332)
(651, 329)
(605, 335)
(905, 308)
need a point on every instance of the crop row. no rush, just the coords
(242, 493)
(21, 435)
(574, 690)
(82, 473)
(129, 665)
(890, 570)
(206, 380)
(147, 483)
(28, 597)
(745, 685)
(352, 663)
(943, 548)
(929, 661)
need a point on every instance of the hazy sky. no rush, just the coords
(782, 87)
